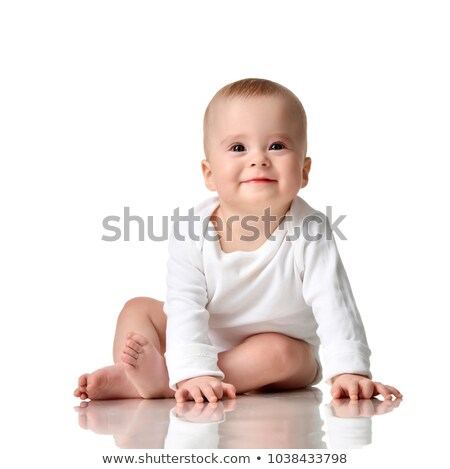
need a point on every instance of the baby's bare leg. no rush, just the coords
(140, 344)
(139, 368)
(269, 361)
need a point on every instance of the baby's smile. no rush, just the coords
(260, 181)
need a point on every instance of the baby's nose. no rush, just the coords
(259, 158)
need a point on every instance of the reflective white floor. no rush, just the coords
(297, 419)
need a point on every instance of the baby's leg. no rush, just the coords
(140, 344)
(269, 361)
(138, 351)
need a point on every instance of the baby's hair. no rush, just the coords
(254, 87)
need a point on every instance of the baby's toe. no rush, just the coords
(80, 393)
(82, 381)
(138, 338)
(128, 360)
(132, 348)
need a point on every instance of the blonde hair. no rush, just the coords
(254, 87)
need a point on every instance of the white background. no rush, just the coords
(101, 108)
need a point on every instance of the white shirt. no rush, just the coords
(291, 285)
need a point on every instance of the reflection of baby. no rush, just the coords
(259, 421)
(291, 420)
(245, 312)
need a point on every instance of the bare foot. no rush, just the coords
(145, 367)
(110, 382)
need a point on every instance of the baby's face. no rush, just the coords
(257, 137)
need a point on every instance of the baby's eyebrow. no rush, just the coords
(237, 137)
(282, 136)
(232, 138)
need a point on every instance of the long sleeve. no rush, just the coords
(189, 352)
(327, 291)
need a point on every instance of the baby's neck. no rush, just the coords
(255, 228)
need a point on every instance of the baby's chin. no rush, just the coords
(255, 204)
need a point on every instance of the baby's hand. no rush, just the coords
(208, 386)
(360, 387)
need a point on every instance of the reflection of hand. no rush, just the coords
(348, 408)
(213, 389)
(204, 413)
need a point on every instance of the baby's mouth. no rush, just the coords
(260, 180)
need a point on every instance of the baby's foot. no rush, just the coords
(145, 367)
(110, 382)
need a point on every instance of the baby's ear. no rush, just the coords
(306, 170)
(207, 175)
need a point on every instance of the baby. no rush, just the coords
(255, 283)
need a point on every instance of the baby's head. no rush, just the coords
(255, 144)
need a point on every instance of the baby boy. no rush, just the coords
(255, 283)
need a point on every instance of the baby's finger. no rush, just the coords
(337, 392)
(383, 390)
(217, 387)
(184, 394)
(367, 388)
(395, 392)
(229, 390)
(196, 394)
(208, 392)
(353, 390)
(180, 395)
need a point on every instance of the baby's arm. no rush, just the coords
(360, 387)
(191, 359)
(327, 290)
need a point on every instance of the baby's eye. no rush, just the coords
(238, 147)
(277, 146)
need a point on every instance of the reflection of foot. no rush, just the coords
(347, 408)
(127, 420)
(107, 417)
(145, 367)
(110, 382)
